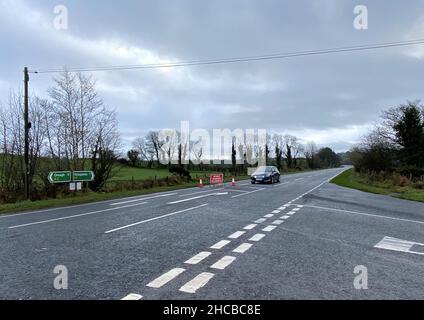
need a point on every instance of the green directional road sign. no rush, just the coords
(60, 177)
(82, 176)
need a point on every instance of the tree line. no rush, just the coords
(395, 145)
(283, 151)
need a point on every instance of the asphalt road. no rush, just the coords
(301, 239)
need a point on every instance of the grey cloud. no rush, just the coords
(317, 93)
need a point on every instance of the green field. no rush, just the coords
(352, 180)
(127, 173)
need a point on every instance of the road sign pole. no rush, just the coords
(26, 133)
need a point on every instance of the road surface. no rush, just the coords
(301, 239)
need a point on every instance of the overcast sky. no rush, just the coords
(332, 99)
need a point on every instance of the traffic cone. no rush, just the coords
(201, 184)
(233, 183)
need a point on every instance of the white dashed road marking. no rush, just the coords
(257, 237)
(221, 244)
(269, 216)
(269, 228)
(237, 234)
(260, 220)
(250, 227)
(198, 258)
(276, 211)
(223, 263)
(243, 248)
(285, 217)
(200, 281)
(165, 278)
(278, 222)
(133, 296)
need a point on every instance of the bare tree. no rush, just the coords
(311, 151)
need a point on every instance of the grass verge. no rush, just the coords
(352, 180)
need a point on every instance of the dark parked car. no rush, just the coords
(266, 175)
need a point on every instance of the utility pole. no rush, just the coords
(27, 127)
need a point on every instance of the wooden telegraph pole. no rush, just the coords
(27, 126)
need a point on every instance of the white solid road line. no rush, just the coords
(132, 296)
(198, 258)
(247, 193)
(257, 237)
(389, 243)
(199, 197)
(69, 207)
(223, 263)
(365, 214)
(199, 282)
(165, 278)
(156, 218)
(200, 192)
(221, 244)
(237, 234)
(241, 191)
(143, 199)
(243, 248)
(75, 216)
(250, 227)
(269, 228)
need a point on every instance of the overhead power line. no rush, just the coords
(274, 56)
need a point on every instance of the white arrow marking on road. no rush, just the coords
(389, 243)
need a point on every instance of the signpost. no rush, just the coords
(83, 176)
(75, 179)
(60, 177)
